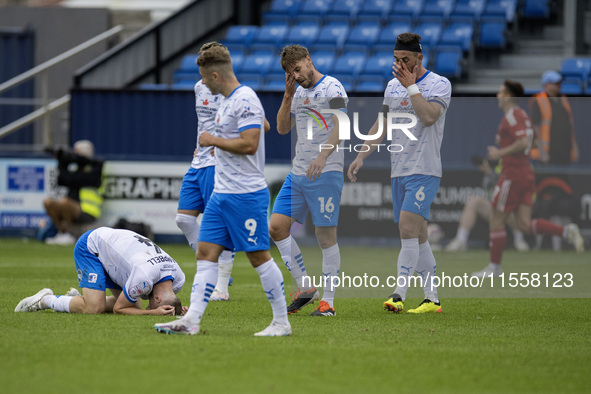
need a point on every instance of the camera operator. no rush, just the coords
(81, 174)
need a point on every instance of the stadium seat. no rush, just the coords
(387, 37)
(257, 63)
(350, 63)
(273, 34)
(373, 10)
(362, 37)
(406, 8)
(302, 35)
(346, 80)
(253, 81)
(502, 8)
(575, 72)
(536, 9)
(323, 61)
(286, 7)
(470, 8)
(237, 60)
(188, 70)
(458, 34)
(241, 34)
(571, 87)
(275, 67)
(492, 33)
(439, 8)
(448, 61)
(274, 83)
(379, 64)
(347, 8)
(271, 18)
(430, 33)
(370, 84)
(315, 7)
(333, 36)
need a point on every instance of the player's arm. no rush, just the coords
(285, 122)
(520, 145)
(124, 306)
(267, 126)
(361, 156)
(246, 144)
(427, 111)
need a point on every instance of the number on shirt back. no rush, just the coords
(251, 225)
(328, 207)
(146, 241)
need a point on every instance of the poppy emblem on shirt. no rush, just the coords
(205, 102)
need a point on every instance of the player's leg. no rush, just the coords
(570, 232)
(427, 269)
(519, 241)
(331, 265)
(475, 207)
(190, 205)
(290, 206)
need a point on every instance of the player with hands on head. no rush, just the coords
(415, 171)
(315, 181)
(130, 265)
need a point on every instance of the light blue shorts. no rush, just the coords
(237, 221)
(322, 197)
(414, 193)
(196, 188)
(90, 271)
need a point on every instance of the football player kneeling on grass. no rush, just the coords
(130, 265)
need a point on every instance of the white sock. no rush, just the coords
(427, 268)
(517, 236)
(272, 281)
(331, 264)
(203, 285)
(407, 263)
(292, 257)
(189, 226)
(463, 235)
(225, 264)
(60, 303)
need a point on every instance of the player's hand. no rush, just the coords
(404, 75)
(195, 152)
(164, 310)
(184, 310)
(315, 169)
(206, 139)
(353, 169)
(289, 84)
(493, 153)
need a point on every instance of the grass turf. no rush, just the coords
(477, 344)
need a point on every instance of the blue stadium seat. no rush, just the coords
(302, 35)
(371, 84)
(387, 37)
(362, 36)
(253, 81)
(273, 34)
(458, 34)
(406, 8)
(187, 71)
(275, 67)
(575, 73)
(257, 63)
(241, 34)
(271, 18)
(426, 57)
(274, 83)
(323, 61)
(431, 32)
(374, 10)
(189, 63)
(571, 87)
(237, 60)
(347, 81)
(470, 8)
(307, 19)
(183, 85)
(502, 8)
(337, 19)
(350, 63)
(333, 36)
(315, 7)
(286, 7)
(379, 64)
(440, 8)
(536, 9)
(347, 8)
(448, 61)
(492, 33)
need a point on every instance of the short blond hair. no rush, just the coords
(292, 54)
(211, 44)
(216, 57)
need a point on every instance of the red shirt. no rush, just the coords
(515, 125)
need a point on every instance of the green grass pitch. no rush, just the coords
(512, 340)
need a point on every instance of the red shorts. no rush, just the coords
(511, 193)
